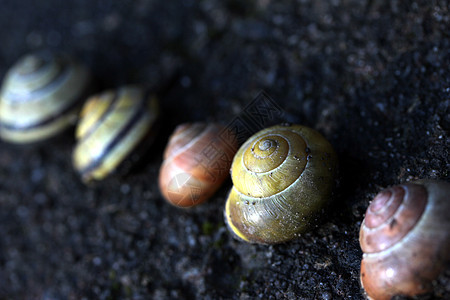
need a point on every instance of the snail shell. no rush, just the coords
(41, 96)
(282, 178)
(405, 237)
(113, 126)
(197, 160)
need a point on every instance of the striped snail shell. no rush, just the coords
(405, 238)
(114, 127)
(282, 178)
(197, 160)
(41, 96)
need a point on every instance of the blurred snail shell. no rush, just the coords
(41, 96)
(113, 126)
(197, 160)
(405, 237)
(283, 177)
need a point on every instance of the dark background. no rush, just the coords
(372, 76)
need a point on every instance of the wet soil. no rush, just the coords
(372, 76)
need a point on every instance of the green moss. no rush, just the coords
(208, 228)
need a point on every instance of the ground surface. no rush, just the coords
(372, 76)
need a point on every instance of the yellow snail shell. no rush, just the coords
(41, 96)
(283, 177)
(405, 238)
(197, 160)
(113, 125)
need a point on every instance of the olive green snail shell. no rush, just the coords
(282, 177)
(41, 96)
(114, 126)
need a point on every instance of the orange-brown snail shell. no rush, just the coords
(197, 160)
(405, 237)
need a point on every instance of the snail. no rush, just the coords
(115, 127)
(283, 176)
(197, 160)
(41, 96)
(405, 238)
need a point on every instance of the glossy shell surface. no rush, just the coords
(283, 177)
(197, 160)
(112, 126)
(41, 96)
(405, 237)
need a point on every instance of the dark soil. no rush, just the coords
(372, 76)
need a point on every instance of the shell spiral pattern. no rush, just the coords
(405, 237)
(113, 126)
(282, 178)
(41, 96)
(197, 160)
